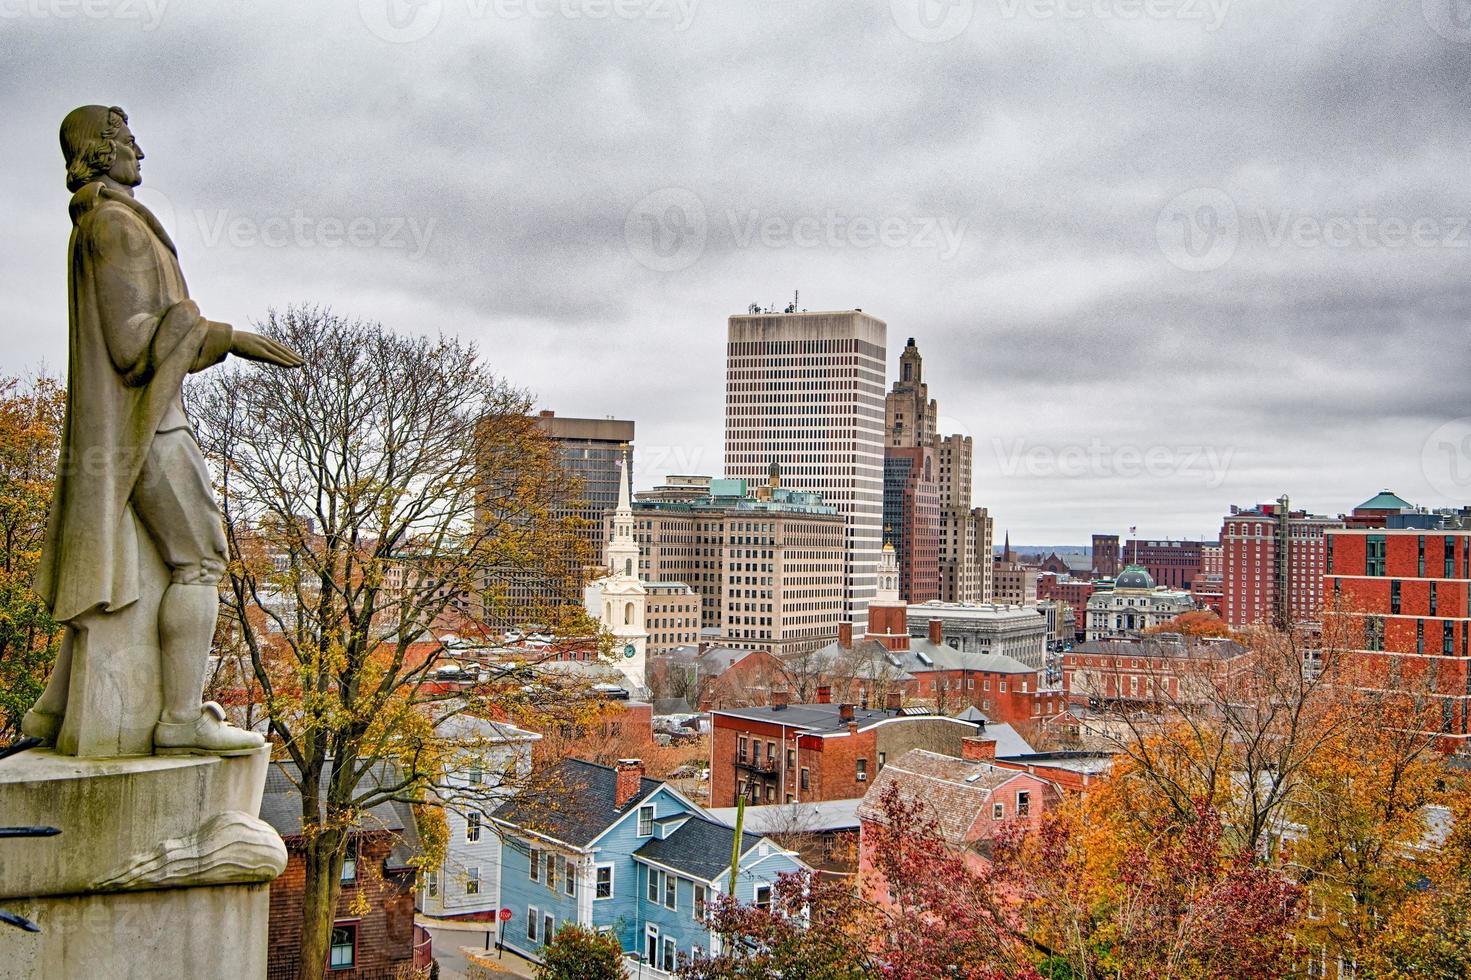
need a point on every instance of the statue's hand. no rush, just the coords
(254, 347)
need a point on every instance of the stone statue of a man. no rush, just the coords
(129, 463)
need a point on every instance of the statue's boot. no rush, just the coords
(41, 724)
(44, 719)
(209, 734)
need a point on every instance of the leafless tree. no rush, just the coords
(390, 488)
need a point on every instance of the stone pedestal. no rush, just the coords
(162, 867)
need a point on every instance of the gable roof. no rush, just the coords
(281, 807)
(573, 802)
(776, 818)
(922, 656)
(1008, 739)
(699, 848)
(954, 791)
(826, 719)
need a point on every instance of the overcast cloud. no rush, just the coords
(1161, 256)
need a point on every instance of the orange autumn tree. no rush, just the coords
(31, 415)
(1198, 622)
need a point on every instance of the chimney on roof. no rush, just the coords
(845, 712)
(978, 749)
(937, 632)
(893, 701)
(824, 694)
(547, 413)
(630, 777)
(845, 635)
(779, 700)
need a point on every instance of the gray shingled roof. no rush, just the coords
(281, 807)
(954, 791)
(904, 664)
(812, 717)
(572, 802)
(700, 848)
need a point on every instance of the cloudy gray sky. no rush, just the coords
(1161, 256)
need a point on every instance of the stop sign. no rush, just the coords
(505, 915)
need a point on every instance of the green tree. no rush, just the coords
(31, 416)
(576, 953)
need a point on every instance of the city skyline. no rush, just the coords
(1294, 343)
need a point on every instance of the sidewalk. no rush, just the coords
(460, 948)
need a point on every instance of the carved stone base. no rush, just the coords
(162, 867)
(213, 931)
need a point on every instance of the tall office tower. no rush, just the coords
(965, 538)
(593, 451)
(912, 520)
(806, 391)
(984, 533)
(911, 487)
(909, 411)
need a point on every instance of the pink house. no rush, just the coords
(970, 798)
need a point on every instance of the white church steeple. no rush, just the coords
(619, 600)
(621, 553)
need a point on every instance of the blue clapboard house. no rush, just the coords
(612, 850)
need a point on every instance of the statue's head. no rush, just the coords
(96, 142)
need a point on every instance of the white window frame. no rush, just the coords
(534, 867)
(655, 886)
(472, 827)
(646, 818)
(756, 897)
(671, 892)
(597, 886)
(472, 880)
(569, 878)
(998, 811)
(533, 922)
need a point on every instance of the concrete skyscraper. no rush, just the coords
(911, 493)
(806, 391)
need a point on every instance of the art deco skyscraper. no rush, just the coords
(806, 390)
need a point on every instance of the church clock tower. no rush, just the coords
(623, 600)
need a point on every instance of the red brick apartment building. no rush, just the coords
(374, 939)
(807, 753)
(1408, 591)
(1154, 670)
(1064, 588)
(1171, 563)
(927, 668)
(1272, 565)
